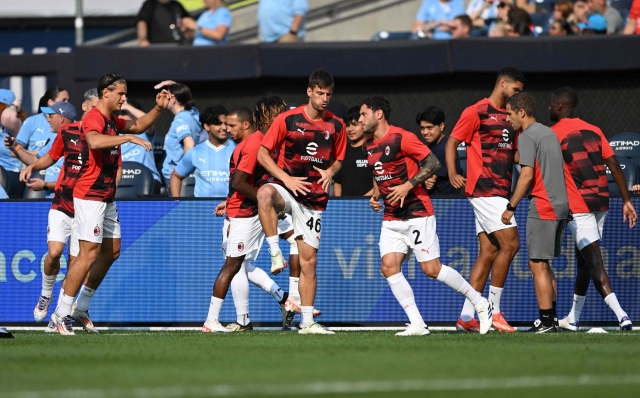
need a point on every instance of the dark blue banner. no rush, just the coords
(171, 255)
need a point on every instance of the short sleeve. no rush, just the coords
(181, 128)
(56, 151)
(249, 159)
(467, 125)
(24, 135)
(423, 12)
(185, 166)
(527, 149)
(300, 7)
(275, 135)
(146, 11)
(225, 18)
(607, 151)
(413, 148)
(120, 124)
(340, 144)
(93, 122)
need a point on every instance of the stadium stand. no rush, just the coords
(137, 180)
(627, 145)
(30, 194)
(630, 175)
(159, 153)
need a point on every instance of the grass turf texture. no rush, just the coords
(34, 361)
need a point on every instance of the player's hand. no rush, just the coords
(298, 185)
(142, 142)
(398, 193)
(36, 184)
(629, 212)
(162, 99)
(9, 141)
(431, 182)
(457, 181)
(164, 83)
(506, 217)
(17, 104)
(25, 175)
(325, 180)
(375, 203)
(221, 209)
(635, 188)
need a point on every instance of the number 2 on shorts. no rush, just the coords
(417, 233)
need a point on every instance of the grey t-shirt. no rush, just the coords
(615, 24)
(539, 148)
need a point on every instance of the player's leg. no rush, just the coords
(508, 246)
(262, 280)
(240, 292)
(270, 203)
(220, 288)
(544, 293)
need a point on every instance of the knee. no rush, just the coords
(308, 264)
(265, 195)
(513, 247)
(55, 254)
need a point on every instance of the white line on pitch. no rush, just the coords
(339, 387)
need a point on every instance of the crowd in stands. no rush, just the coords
(193, 156)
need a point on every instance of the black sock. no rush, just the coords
(285, 296)
(555, 313)
(546, 317)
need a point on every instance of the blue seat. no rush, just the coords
(384, 35)
(627, 145)
(137, 180)
(28, 193)
(159, 153)
(630, 175)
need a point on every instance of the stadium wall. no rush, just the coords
(171, 255)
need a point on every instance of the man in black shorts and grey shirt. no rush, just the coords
(355, 178)
(542, 170)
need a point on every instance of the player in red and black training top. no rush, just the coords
(491, 152)
(394, 155)
(587, 154)
(311, 143)
(96, 216)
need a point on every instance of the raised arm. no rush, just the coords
(97, 141)
(143, 123)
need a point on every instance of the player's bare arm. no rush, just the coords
(450, 150)
(327, 175)
(295, 184)
(97, 141)
(143, 123)
(41, 164)
(118, 175)
(430, 167)
(221, 209)
(241, 184)
(522, 187)
(175, 184)
(628, 211)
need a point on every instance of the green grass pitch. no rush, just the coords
(358, 364)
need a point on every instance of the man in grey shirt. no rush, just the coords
(542, 170)
(615, 24)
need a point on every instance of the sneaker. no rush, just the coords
(565, 324)
(236, 327)
(277, 263)
(293, 304)
(625, 324)
(415, 330)
(213, 327)
(83, 318)
(40, 312)
(63, 325)
(51, 327)
(538, 327)
(468, 326)
(314, 328)
(5, 335)
(483, 309)
(500, 324)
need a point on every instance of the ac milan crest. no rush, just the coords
(240, 246)
(327, 134)
(96, 230)
(387, 150)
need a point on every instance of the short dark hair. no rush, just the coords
(352, 115)
(211, 115)
(524, 101)
(320, 78)
(109, 81)
(512, 74)
(182, 93)
(378, 102)
(432, 114)
(51, 94)
(568, 95)
(243, 113)
(264, 109)
(464, 20)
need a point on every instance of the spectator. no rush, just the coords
(209, 160)
(431, 122)
(580, 10)
(615, 24)
(636, 188)
(9, 127)
(560, 27)
(596, 25)
(482, 10)
(461, 27)
(163, 21)
(355, 178)
(633, 22)
(36, 130)
(282, 21)
(519, 15)
(213, 25)
(184, 131)
(434, 18)
(563, 11)
(519, 29)
(499, 27)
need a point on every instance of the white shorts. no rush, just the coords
(96, 220)
(284, 226)
(306, 222)
(586, 228)
(61, 228)
(488, 211)
(417, 234)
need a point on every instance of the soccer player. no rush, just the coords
(244, 231)
(96, 216)
(355, 178)
(541, 160)
(311, 143)
(409, 222)
(491, 151)
(586, 153)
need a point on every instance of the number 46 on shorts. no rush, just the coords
(315, 224)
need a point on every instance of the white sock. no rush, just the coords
(404, 294)
(64, 309)
(293, 249)
(243, 320)
(454, 280)
(468, 311)
(293, 287)
(84, 298)
(214, 308)
(274, 244)
(612, 302)
(307, 315)
(240, 293)
(258, 277)
(495, 293)
(576, 308)
(47, 285)
(59, 298)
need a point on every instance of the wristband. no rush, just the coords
(510, 208)
(293, 32)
